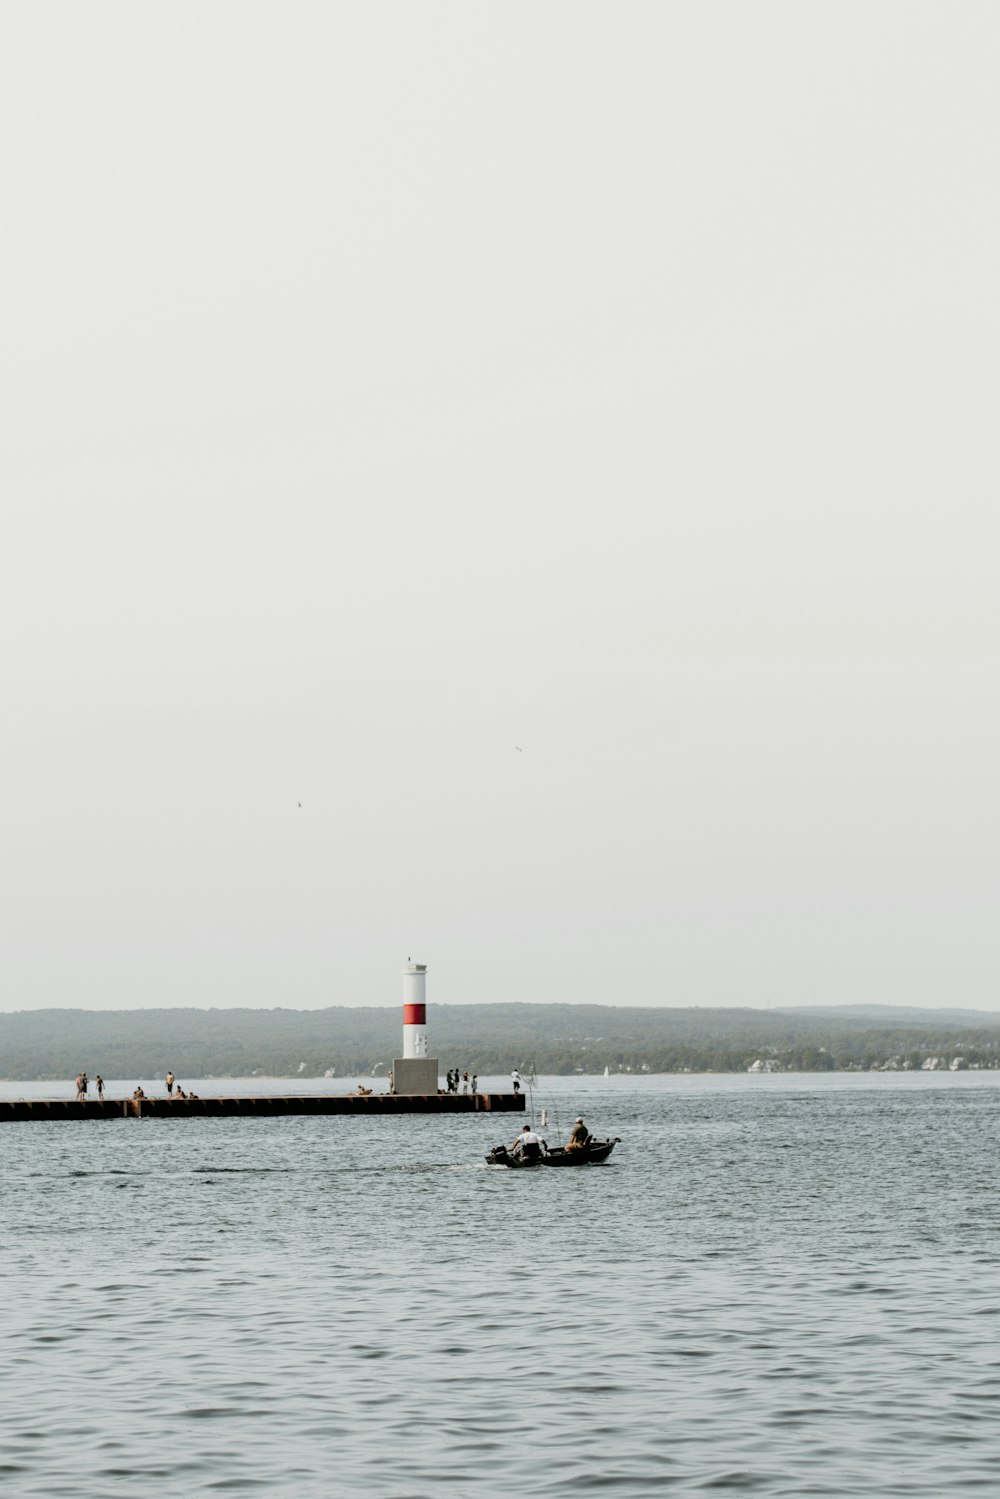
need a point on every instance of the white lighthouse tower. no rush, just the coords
(415, 1010)
(415, 1072)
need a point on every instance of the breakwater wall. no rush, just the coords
(21, 1109)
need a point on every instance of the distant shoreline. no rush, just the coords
(558, 1040)
(338, 1085)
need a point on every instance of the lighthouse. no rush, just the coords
(415, 1010)
(415, 1073)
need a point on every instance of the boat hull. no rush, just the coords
(592, 1155)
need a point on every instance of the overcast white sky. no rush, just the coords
(386, 386)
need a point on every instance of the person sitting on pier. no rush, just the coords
(579, 1136)
(179, 1091)
(528, 1145)
(138, 1094)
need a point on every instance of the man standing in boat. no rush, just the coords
(528, 1145)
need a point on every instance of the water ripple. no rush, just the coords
(764, 1293)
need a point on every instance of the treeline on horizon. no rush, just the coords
(488, 1039)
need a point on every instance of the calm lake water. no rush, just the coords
(778, 1286)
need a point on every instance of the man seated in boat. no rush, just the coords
(579, 1136)
(528, 1145)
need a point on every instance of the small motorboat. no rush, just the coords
(591, 1154)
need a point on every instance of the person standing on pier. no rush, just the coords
(170, 1084)
(515, 1078)
(81, 1086)
(475, 1083)
(99, 1084)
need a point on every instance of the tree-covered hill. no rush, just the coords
(484, 1038)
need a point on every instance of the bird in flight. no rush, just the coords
(300, 804)
(519, 749)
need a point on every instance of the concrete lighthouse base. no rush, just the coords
(415, 1075)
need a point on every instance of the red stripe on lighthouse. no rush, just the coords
(414, 1014)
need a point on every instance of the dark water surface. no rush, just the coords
(778, 1286)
